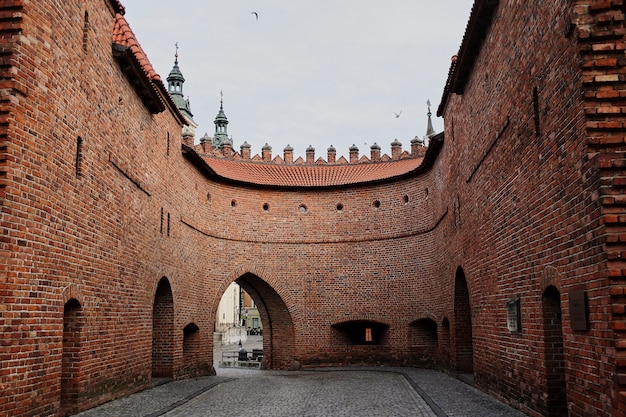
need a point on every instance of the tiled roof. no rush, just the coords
(288, 175)
(123, 35)
(136, 65)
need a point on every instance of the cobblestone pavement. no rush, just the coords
(337, 392)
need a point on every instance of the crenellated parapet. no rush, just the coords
(226, 150)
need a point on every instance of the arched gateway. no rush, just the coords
(278, 331)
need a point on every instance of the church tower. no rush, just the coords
(221, 123)
(175, 81)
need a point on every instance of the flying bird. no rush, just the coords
(255, 15)
(397, 114)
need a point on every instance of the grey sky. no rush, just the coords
(307, 73)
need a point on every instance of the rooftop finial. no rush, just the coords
(221, 99)
(429, 128)
(176, 55)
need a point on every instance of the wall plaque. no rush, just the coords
(578, 310)
(513, 316)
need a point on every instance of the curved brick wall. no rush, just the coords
(524, 201)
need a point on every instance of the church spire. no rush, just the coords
(221, 123)
(429, 128)
(175, 81)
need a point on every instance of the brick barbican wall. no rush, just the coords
(524, 146)
(508, 210)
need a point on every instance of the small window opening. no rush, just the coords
(233, 203)
(377, 203)
(361, 332)
(167, 150)
(302, 208)
(339, 207)
(85, 32)
(406, 199)
(79, 156)
(162, 214)
(168, 224)
(536, 111)
(266, 206)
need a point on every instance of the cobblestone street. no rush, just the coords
(343, 392)
(336, 392)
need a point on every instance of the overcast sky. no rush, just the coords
(320, 73)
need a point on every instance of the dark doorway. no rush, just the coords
(163, 331)
(556, 400)
(464, 349)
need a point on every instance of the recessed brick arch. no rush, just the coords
(73, 322)
(163, 331)
(554, 358)
(423, 340)
(361, 332)
(278, 329)
(464, 351)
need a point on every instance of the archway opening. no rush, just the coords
(238, 339)
(70, 359)
(556, 390)
(464, 350)
(163, 331)
(252, 313)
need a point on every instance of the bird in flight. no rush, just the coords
(397, 114)
(255, 15)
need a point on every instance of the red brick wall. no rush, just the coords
(513, 201)
(522, 179)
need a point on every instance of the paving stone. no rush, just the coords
(337, 392)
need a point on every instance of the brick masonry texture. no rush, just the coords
(115, 248)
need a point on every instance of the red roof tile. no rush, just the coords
(123, 35)
(151, 87)
(281, 175)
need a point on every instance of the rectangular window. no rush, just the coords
(513, 316)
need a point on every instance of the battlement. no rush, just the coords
(418, 149)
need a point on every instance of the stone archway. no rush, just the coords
(278, 330)
(464, 350)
